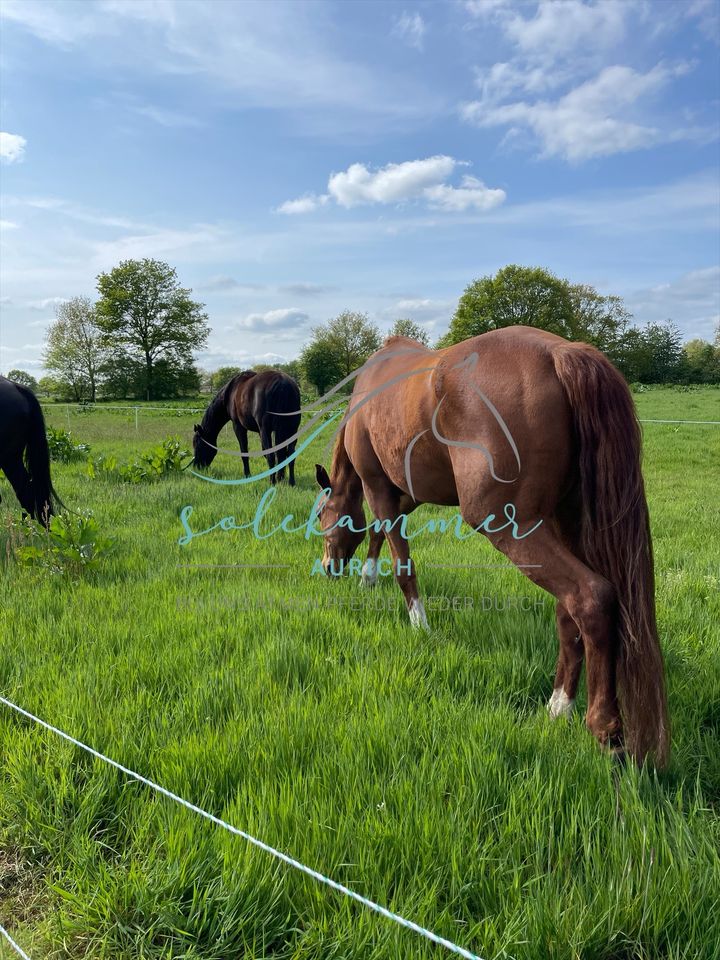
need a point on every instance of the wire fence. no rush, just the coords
(260, 844)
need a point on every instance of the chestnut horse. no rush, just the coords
(267, 403)
(24, 454)
(524, 418)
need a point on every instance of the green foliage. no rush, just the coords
(24, 379)
(149, 319)
(62, 447)
(515, 295)
(70, 545)
(74, 350)
(222, 375)
(421, 770)
(163, 459)
(652, 354)
(338, 348)
(535, 297)
(408, 328)
(702, 361)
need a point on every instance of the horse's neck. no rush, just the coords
(344, 476)
(216, 416)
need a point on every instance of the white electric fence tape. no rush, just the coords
(370, 904)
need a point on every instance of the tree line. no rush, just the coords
(137, 340)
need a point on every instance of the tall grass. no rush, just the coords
(421, 770)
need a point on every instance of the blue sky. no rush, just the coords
(295, 159)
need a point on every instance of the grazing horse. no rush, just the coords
(267, 403)
(522, 425)
(24, 454)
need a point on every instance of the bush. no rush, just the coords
(71, 544)
(62, 448)
(162, 460)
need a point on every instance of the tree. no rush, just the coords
(221, 376)
(596, 319)
(652, 355)
(320, 366)
(24, 379)
(515, 295)
(408, 328)
(144, 311)
(535, 297)
(702, 361)
(338, 348)
(74, 349)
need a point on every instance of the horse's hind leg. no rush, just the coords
(267, 442)
(569, 664)
(369, 570)
(589, 600)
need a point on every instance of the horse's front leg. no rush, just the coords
(369, 570)
(389, 505)
(242, 438)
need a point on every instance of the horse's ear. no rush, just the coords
(321, 475)
(196, 428)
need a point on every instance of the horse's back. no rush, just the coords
(489, 411)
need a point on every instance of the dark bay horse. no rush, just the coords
(267, 403)
(536, 439)
(24, 455)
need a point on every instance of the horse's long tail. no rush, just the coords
(37, 456)
(615, 537)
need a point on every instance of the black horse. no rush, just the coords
(267, 403)
(24, 454)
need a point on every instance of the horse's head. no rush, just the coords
(342, 520)
(203, 451)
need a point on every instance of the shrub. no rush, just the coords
(62, 447)
(162, 460)
(71, 544)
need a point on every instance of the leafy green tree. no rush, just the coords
(408, 328)
(652, 354)
(146, 313)
(221, 376)
(352, 338)
(534, 297)
(597, 319)
(515, 295)
(320, 366)
(702, 361)
(24, 379)
(338, 348)
(74, 350)
(54, 388)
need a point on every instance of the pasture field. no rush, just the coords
(419, 769)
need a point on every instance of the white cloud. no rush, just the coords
(223, 283)
(8, 225)
(288, 60)
(390, 184)
(305, 289)
(422, 180)
(691, 300)
(306, 204)
(411, 28)
(588, 121)
(46, 302)
(165, 117)
(287, 317)
(562, 26)
(12, 147)
(472, 194)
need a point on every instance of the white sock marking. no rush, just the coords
(369, 573)
(560, 703)
(417, 614)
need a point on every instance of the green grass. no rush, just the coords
(419, 769)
